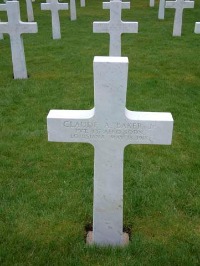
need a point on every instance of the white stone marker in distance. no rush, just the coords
(82, 2)
(15, 27)
(109, 127)
(54, 6)
(179, 6)
(161, 10)
(29, 8)
(115, 26)
(152, 3)
(1, 35)
(72, 7)
(197, 27)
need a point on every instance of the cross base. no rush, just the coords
(89, 239)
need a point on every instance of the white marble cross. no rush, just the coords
(15, 27)
(29, 8)
(82, 3)
(161, 10)
(152, 3)
(1, 35)
(109, 127)
(72, 7)
(54, 6)
(197, 27)
(179, 5)
(115, 27)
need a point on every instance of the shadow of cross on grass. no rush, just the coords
(109, 127)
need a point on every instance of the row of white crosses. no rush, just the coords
(110, 127)
(15, 28)
(197, 27)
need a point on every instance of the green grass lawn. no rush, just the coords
(46, 188)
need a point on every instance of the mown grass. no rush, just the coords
(46, 188)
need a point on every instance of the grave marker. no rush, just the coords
(82, 3)
(73, 9)
(109, 127)
(29, 8)
(1, 35)
(15, 27)
(54, 6)
(197, 27)
(115, 27)
(152, 3)
(179, 5)
(161, 10)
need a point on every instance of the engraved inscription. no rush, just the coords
(113, 131)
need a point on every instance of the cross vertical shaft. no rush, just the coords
(108, 195)
(55, 24)
(29, 8)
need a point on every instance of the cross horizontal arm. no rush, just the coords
(150, 127)
(50, 6)
(130, 27)
(183, 4)
(63, 124)
(190, 4)
(124, 5)
(4, 27)
(46, 6)
(3, 7)
(30, 27)
(63, 6)
(101, 27)
(171, 4)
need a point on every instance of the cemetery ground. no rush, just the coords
(47, 188)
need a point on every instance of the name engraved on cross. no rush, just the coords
(197, 27)
(109, 127)
(29, 8)
(15, 27)
(179, 5)
(54, 6)
(115, 27)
